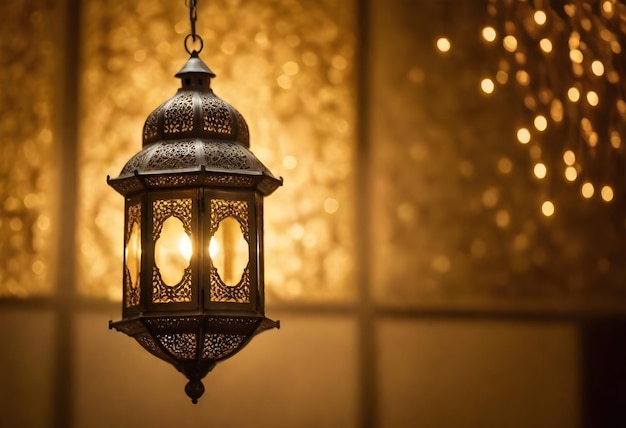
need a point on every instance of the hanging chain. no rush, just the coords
(193, 17)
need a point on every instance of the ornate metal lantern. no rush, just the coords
(193, 289)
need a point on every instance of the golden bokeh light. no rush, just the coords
(489, 34)
(523, 135)
(540, 170)
(597, 68)
(443, 44)
(569, 157)
(573, 94)
(547, 208)
(607, 193)
(570, 173)
(540, 122)
(576, 56)
(587, 190)
(510, 43)
(592, 98)
(540, 17)
(487, 86)
(546, 45)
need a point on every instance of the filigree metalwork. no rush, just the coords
(229, 180)
(179, 114)
(173, 155)
(243, 134)
(181, 345)
(149, 344)
(221, 292)
(150, 129)
(134, 163)
(165, 323)
(216, 116)
(171, 180)
(218, 346)
(226, 155)
(222, 208)
(132, 289)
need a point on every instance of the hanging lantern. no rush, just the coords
(193, 289)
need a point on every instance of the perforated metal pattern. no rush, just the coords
(132, 289)
(179, 114)
(173, 155)
(218, 346)
(182, 345)
(216, 116)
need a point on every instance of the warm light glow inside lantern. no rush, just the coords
(193, 243)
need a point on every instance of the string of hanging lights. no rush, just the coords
(565, 60)
(193, 286)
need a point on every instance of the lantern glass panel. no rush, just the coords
(132, 255)
(171, 236)
(229, 251)
(172, 251)
(229, 229)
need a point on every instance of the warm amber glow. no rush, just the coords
(597, 68)
(540, 122)
(505, 166)
(607, 193)
(443, 44)
(487, 86)
(331, 205)
(573, 94)
(184, 246)
(503, 219)
(510, 43)
(547, 208)
(502, 77)
(489, 34)
(214, 248)
(133, 255)
(540, 170)
(540, 17)
(576, 56)
(616, 140)
(592, 139)
(523, 78)
(172, 251)
(523, 135)
(587, 190)
(592, 98)
(569, 157)
(570, 173)
(556, 110)
(545, 45)
(229, 252)
(607, 8)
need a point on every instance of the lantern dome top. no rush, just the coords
(195, 111)
(193, 139)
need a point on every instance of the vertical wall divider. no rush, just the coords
(65, 294)
(368, 413)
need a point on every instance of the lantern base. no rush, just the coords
(194, 390)
(193, 342)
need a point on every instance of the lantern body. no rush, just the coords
(193, 287)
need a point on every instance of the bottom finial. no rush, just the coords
(194, 390)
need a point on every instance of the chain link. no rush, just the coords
(193, 16)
